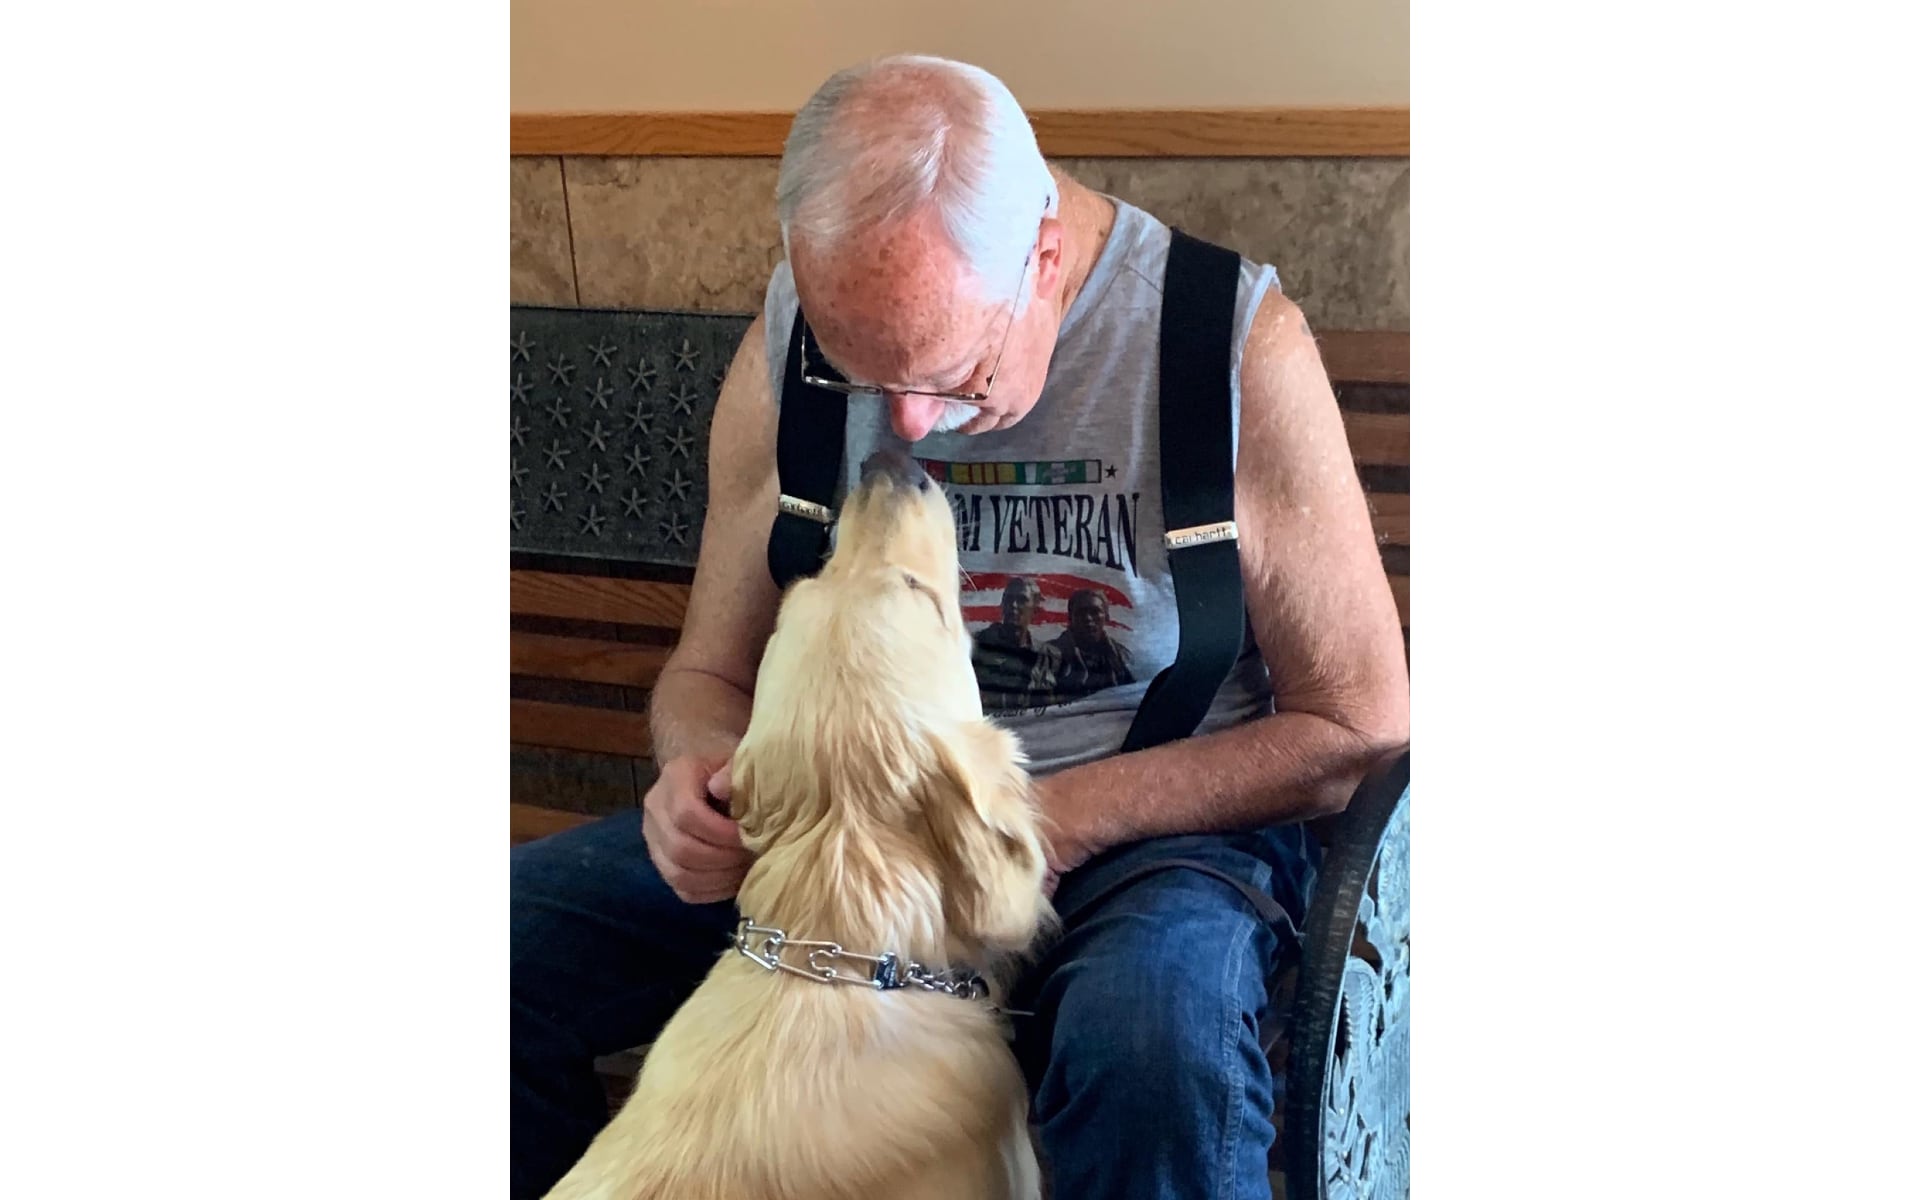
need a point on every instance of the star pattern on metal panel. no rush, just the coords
(609, 417)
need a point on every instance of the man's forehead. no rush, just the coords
(889, 314)
(889, 338)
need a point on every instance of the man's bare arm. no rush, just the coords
(704, 694)
(1321, 609)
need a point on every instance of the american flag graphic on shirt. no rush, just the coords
(982, 591)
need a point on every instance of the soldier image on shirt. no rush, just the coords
(1084, 658)
(1004, 656)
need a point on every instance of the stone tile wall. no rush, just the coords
(700, 234)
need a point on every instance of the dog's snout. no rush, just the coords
(896, 466)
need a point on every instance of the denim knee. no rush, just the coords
(1144, 1039)
(1144, 1056)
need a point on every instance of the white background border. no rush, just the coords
(256, 767)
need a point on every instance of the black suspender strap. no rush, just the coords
(1196, 488)
(812, 442)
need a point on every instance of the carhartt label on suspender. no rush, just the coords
(1200, 535)
(806, 508)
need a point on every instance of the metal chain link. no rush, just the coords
(885, 971)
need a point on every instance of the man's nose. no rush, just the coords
(913, 416)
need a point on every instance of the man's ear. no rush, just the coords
(1050, 257)
(984, 829)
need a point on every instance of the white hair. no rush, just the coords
(862, 153)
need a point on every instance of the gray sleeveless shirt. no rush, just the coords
(1070, 601)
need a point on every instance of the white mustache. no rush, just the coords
(953, 415)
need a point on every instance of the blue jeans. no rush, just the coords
(1143, 1057)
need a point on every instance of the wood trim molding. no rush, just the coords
(1365, 355)
(586, 598)
(580, 727)
(1064, 133)
(1378, 439)
(531, 821)
(588, 660)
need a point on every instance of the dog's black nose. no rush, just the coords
(895, 465)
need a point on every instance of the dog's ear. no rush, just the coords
(741, 786)
(755, 779)
(985, 830)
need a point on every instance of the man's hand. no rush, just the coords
(1067, 844)
(694, 845)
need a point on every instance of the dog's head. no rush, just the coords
(867, 727)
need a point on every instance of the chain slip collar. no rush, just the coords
(827, 962)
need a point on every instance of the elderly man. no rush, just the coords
(964, 301)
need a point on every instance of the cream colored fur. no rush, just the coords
(886, 814)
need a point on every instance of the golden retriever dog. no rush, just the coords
(888, 816)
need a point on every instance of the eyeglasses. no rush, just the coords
(810, 354)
